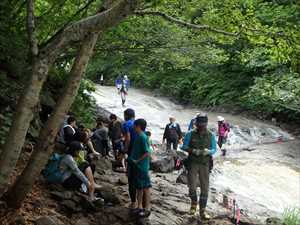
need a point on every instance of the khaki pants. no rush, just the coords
(198, 174)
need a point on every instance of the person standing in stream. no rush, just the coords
(172, 134)
(223, 131)
(200, 144)
(129, 136)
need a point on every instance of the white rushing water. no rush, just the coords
(264, 180)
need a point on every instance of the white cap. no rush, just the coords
(220, 118)
(126, 77)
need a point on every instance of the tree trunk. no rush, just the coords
(46, 140)
(21, 121)
(26, 107)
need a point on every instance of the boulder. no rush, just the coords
(47, 220)
(123, 180)
(182, 178)
(71, 205)
(110, 197)
(82, 221)
(61, 195)
(163, 164)
(19, 220)
(273, 221)
(103, 164)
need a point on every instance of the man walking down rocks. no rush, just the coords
(200, 144)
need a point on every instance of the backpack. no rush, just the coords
(52, 171)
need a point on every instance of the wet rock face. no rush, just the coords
(274, 221)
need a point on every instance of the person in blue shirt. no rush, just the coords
(200, 143)
(140, 158)
(129, 137)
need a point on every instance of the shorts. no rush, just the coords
(142, 180)
(73, 182)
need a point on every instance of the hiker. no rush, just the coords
(101, 80)
(74, 176)
(192, 124)
(200, 144)
(100, 136)
(69, 130)
(124, 89)
(115, 135)
(140, 164)
(129, 137)
(223, 131)
(118, 83)
(172, 134)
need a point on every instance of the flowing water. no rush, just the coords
(261, 170)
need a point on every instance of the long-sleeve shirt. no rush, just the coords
(172, 131)
(68, 166)
(187, 139)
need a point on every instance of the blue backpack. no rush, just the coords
(52, 171)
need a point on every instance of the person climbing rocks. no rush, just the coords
(200, 143)
(223, 131)
(140, 163)
(172, 134)
(100, 137)
(129, 137)
(115, 135)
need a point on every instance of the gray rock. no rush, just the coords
(47, 220)
(82, 221)
(163, 165)
(103, 164)
(71, 205)
(123, 180)
(182, 178)
(19, 220)
(61, 195)
(273, 221)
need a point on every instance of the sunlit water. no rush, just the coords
(263, 180)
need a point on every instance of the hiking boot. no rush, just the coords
(193, 209)
(204, 215)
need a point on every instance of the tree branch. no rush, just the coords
(79, 30)
(33, 43)
(185, 24)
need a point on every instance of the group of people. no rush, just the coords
(132, 147)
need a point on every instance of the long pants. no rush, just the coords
(172, 143)
(131, 182)
(198, 174)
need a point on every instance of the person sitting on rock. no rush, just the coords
(140, 161)
(74, 176)
(200, 144)
(172, 134)
(69, 130)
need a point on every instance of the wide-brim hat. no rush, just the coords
(220, 118)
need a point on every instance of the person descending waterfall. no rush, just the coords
(172, 134)
(124, 88)
(200, 144)
(129, 137)
(223, 131)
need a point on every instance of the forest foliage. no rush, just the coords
(257, 69)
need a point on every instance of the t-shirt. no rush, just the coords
(128, 127)
(140, 147)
